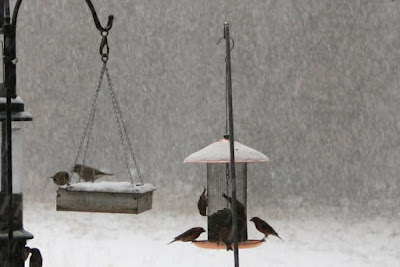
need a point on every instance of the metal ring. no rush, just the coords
(107, 50)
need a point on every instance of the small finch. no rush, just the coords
(264, 228)
(88, 173)
(241, 210)
(225, 235)
(189, 235)
(61, 178)
(202, 203)
(36, 258)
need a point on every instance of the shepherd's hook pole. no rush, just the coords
(8, 25)
(231, 143)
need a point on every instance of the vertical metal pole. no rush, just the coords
(9, 40)
(231, 143)
(9, 180)
(1, 13)
(4, 178)
(9, 55)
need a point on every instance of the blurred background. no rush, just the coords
(315, 88)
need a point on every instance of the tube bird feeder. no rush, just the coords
(227, 180)
(217, 158)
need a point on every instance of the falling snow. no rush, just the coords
(315, 88)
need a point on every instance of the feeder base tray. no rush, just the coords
(219, 245)
(110, 197)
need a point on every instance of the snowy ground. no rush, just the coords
(94, 239)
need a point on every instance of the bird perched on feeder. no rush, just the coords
(61, 178)
(36, 258)
(189, 235)
(202, 203)
(88, 173)
(225, 236)
(241, 210)
(264, 228)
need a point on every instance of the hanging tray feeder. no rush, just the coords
(105, 196)
(111, 197)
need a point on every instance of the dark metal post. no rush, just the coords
(9, 58)
(9, 180)
(9, 54)
(9, 84)
(13, 254)
(231, 143)
(4, 182)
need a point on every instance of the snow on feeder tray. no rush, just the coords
(217, 158)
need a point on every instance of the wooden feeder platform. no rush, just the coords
(110, 197)
(219, 245)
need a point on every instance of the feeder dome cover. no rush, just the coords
(219, 152)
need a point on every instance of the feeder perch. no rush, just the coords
(219, 245)
(110, 197)
(217, 158)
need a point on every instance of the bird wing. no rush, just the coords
(189, 235)
(184, 234)
(268, 228)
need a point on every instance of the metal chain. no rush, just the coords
(104, 51)
(89, 123)
(122, 130)
(121, 137)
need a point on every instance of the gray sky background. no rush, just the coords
(315, 87)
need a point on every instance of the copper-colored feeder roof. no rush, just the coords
(219, 152)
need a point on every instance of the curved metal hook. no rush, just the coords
(15, 12)
(233, 42)
(91, 7)
(96, 19)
